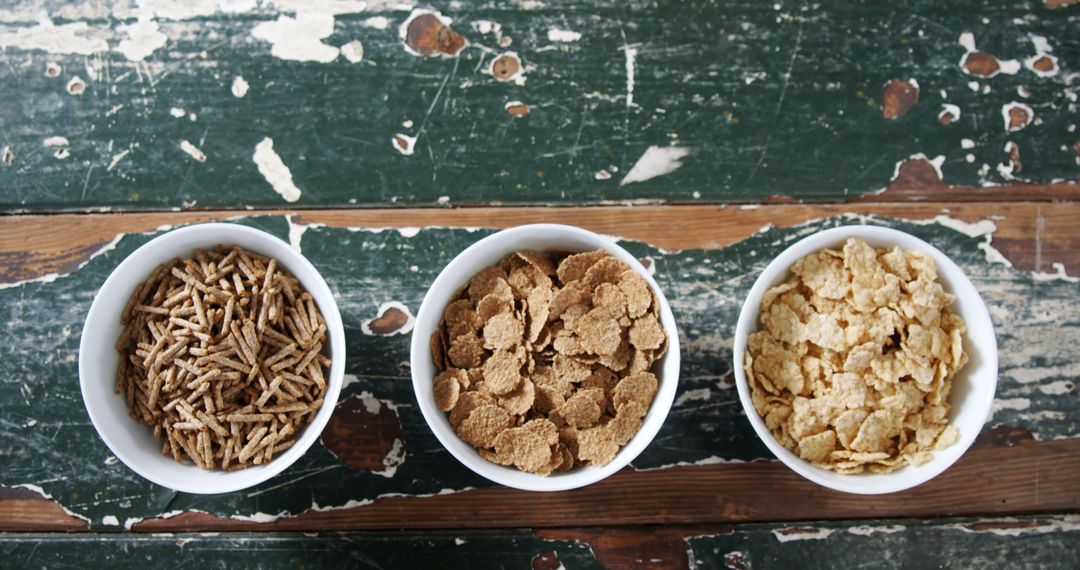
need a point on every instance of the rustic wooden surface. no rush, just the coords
(746, 126)
(752, 99)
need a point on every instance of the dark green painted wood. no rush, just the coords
(772, 98)
(1050, 542)
(506, 549)
(46, 438)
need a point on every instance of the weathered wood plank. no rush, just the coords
(755, 491)
(1026, 542)
(1031, 236)
(53, 446)
(739, 100)
(504, 549)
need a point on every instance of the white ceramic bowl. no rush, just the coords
(134, 443)
(973, 387)
(489, 251)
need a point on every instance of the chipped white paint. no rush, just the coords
(1058, 388)
(1040, 43)
(260, 517)
(967, 143)
(602, 175)
(76, 86)
(332, 7)
(1058, 274)
(177, 112)
(349, 380)
(410, 320)
(969, 158)
(192, 151)
(116, 158)
(486, 27)
(1017, 527)
(74, 38)
(974, 86)
(56, 142)
(393, 459)
(110, 520)
(443, 200)
(239, 86)
(144, 37)
(631, 67)
(407, 124)
(700, 394)
(602, 96)
(1029, 63)
(353, 51)
(274, 170)
(187, 10)
(865, 530)
(299, 38)
(372, 404)
(1008, 107)
(296, 232)
(711, 460)
(949, 109)
(1005, 169)
(518, 78)
(982, 228)
(404, 144)
(376, 22)
(1008, 66)
(1009, 404)
(656, 161)
(52, 69)
(792, 534)
(754, 76)
(557, 35)
(967, 41)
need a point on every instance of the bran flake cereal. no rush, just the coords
(222, 355)
(544, 359)
(854, 361)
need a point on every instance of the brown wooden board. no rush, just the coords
(705, 465)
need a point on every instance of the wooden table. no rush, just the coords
(708, 135)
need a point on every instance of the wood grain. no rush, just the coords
(1032, 236)
(1027, 478)
(25, 510)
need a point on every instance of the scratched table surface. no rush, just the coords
(382, 138)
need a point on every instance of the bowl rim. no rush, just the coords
(777, 270)
(244, 478)
(507, 476)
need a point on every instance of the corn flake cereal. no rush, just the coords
(854, 361)
(544, 359)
